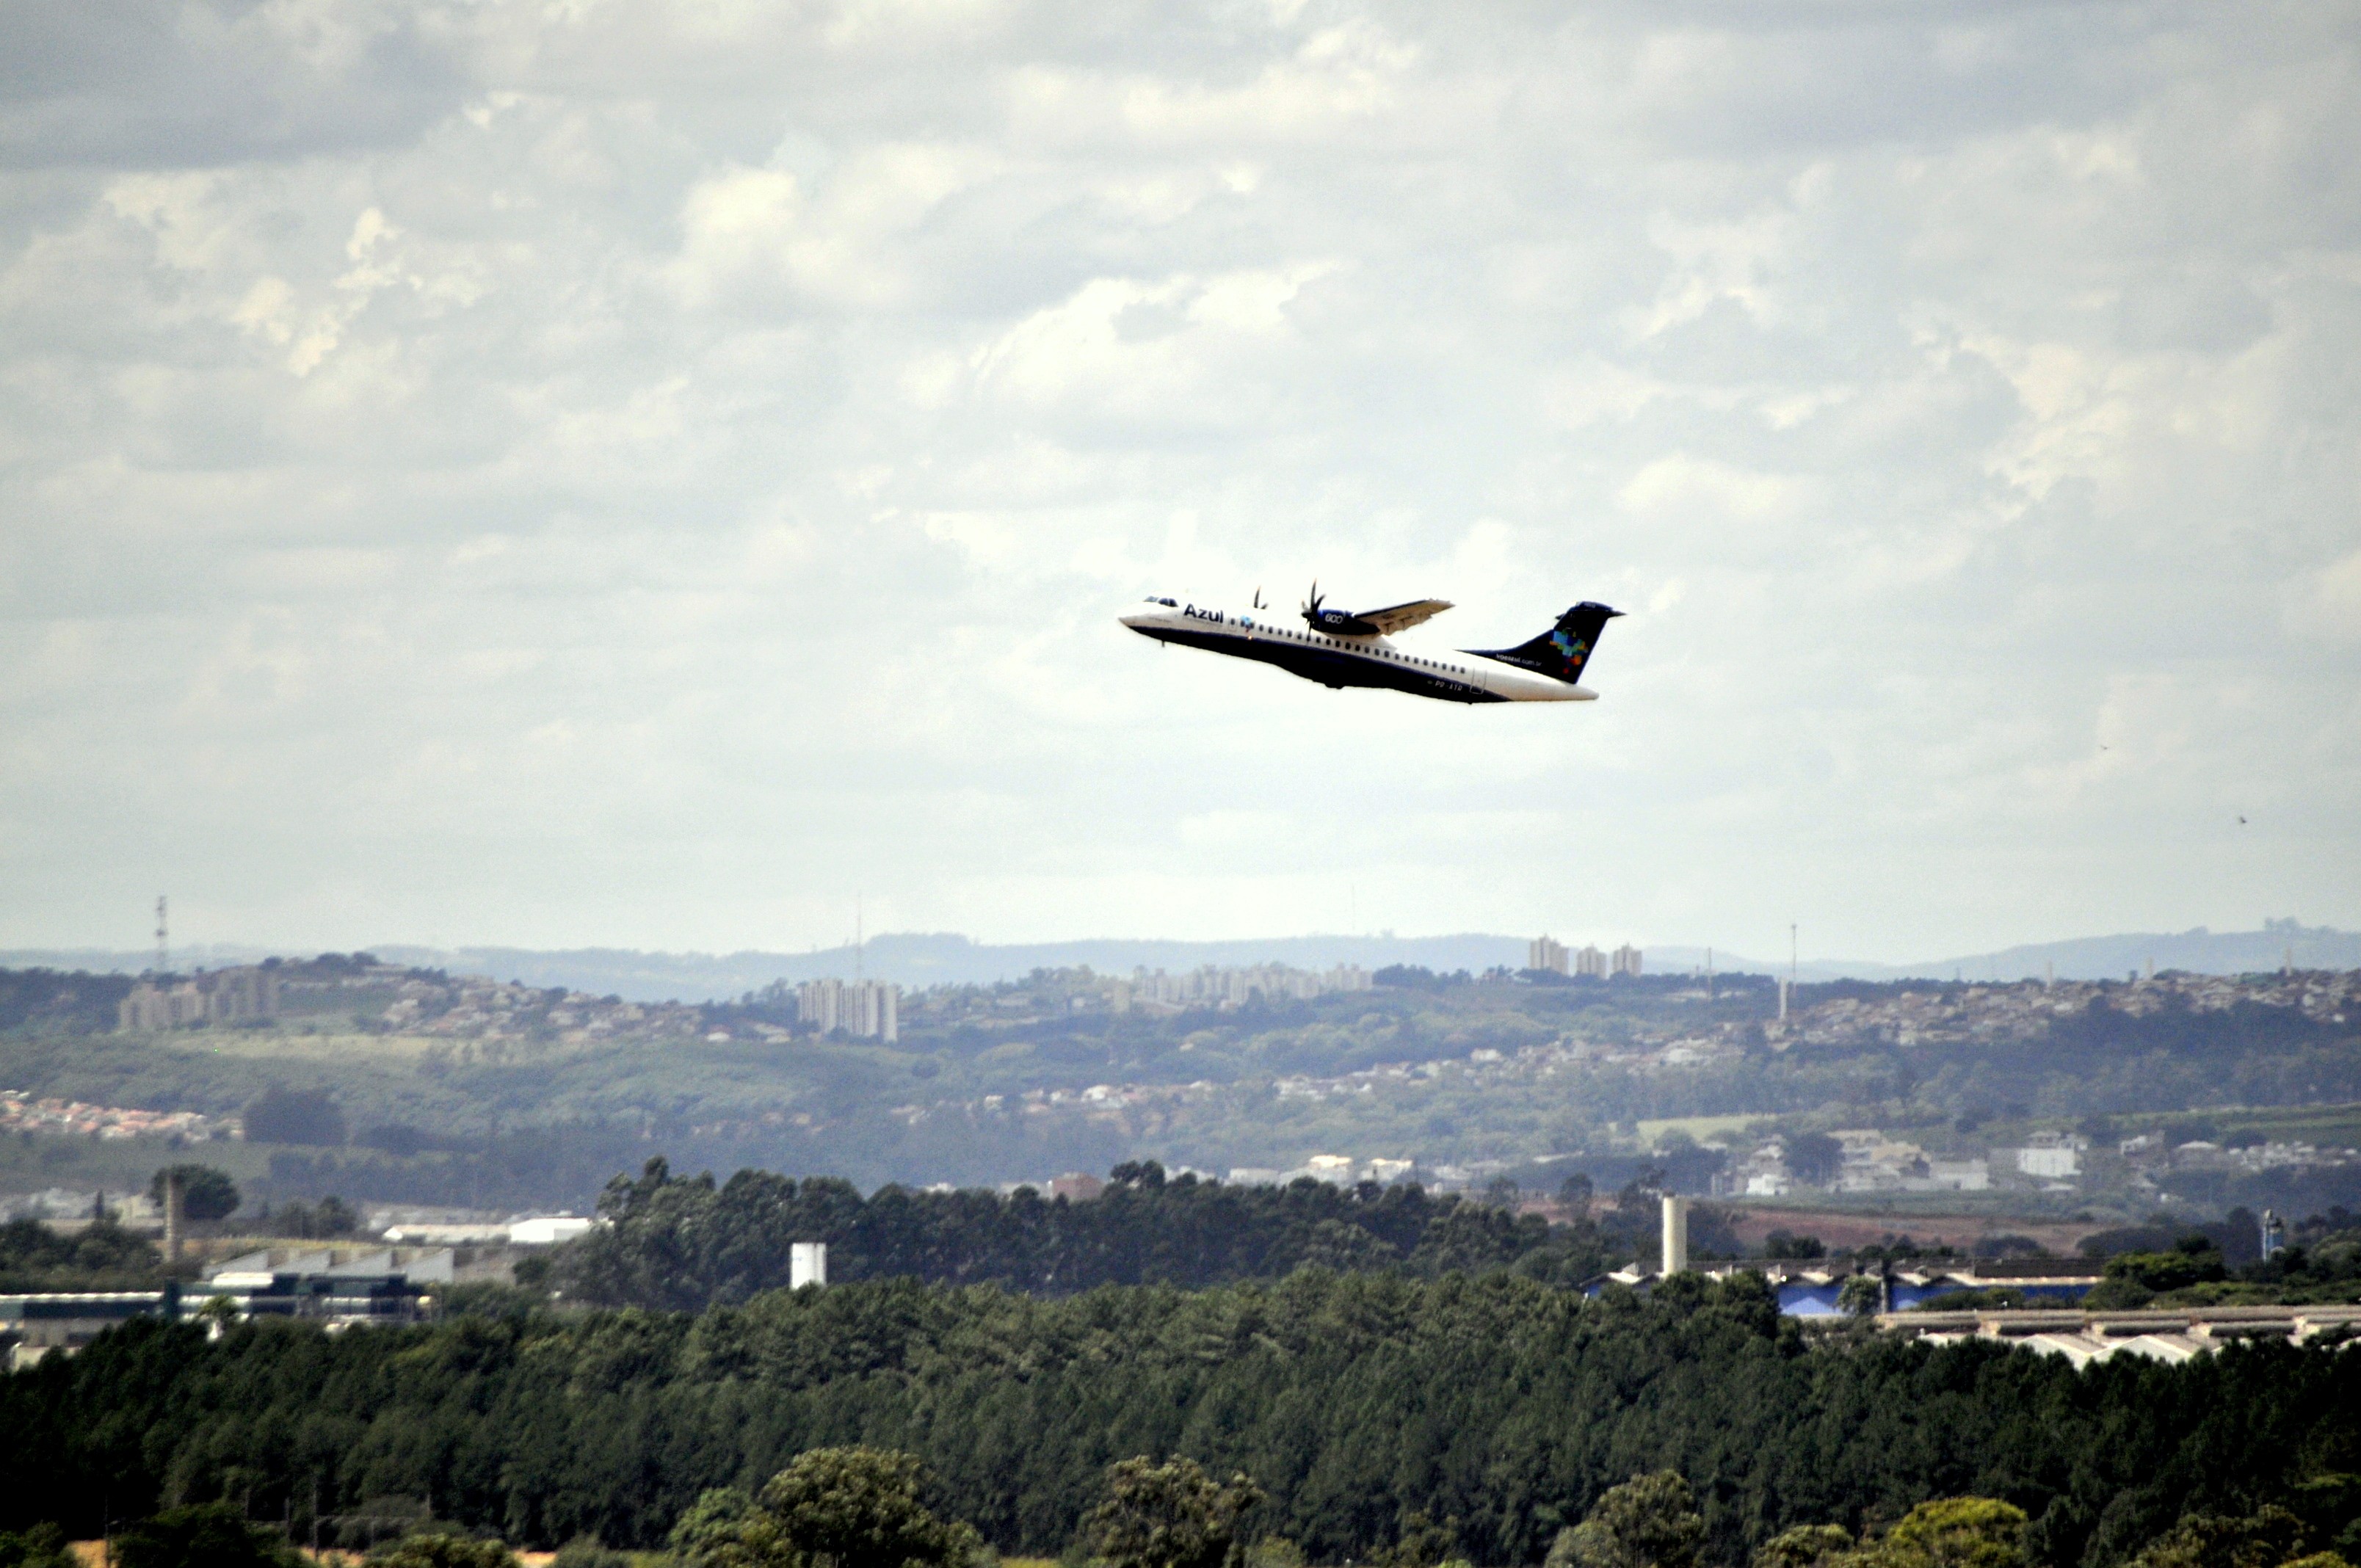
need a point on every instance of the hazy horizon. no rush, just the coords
(920, 958)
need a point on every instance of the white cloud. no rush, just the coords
(633, 473)
(2327, 604)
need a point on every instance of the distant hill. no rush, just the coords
(916, 958)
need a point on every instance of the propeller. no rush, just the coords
(1311, 605)
(1258, 599)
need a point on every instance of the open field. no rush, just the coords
(1704, 1129)
(352, 1047)
(2338, 1126)
(1844, 1228)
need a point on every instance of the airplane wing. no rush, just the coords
(1402, 616)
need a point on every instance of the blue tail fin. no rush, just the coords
(1561, 652)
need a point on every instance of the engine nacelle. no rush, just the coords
(1338, 623)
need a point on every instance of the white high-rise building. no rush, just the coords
(866, 1009)
(1347, 977)
(1545, 954)
(1590, 962)
(1627, 960)
(821, 1004)
(872, 1010)
(1210, 983)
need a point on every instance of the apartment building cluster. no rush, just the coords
(221, 998)
(1584, 962)
(1212, 985)
(866, 1009)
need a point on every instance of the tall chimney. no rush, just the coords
(172, 1217)
(1676, 1234)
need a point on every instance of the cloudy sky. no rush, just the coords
(593, 472)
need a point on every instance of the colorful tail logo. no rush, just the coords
(1562, 651)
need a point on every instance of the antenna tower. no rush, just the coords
(163, 942)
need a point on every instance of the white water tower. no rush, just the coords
(807, 1265)
(1676, 1234)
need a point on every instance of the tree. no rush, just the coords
(1145, 1173)
(2182, 1266)
(1805, 1546)
(1813, 1158)
(1649, 1521)
(206, 1193)
(443, 1551)
(1862, 1295)
(588, 1551)
(205, 1535)
(284, 1115)
(2264, 1538)
(43, 1546)
(846, 1508)
(708, 1527)
(331, 1216)
(1169, 1516)
(1957, 1532)
(33, 1257)
(1423, 1544)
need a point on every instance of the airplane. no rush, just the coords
(1343, 647)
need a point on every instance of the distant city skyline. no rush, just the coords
(917, 958)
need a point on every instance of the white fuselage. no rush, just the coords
(1344, 660)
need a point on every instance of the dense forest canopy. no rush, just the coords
(1353, 1402)
(685, 1244)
